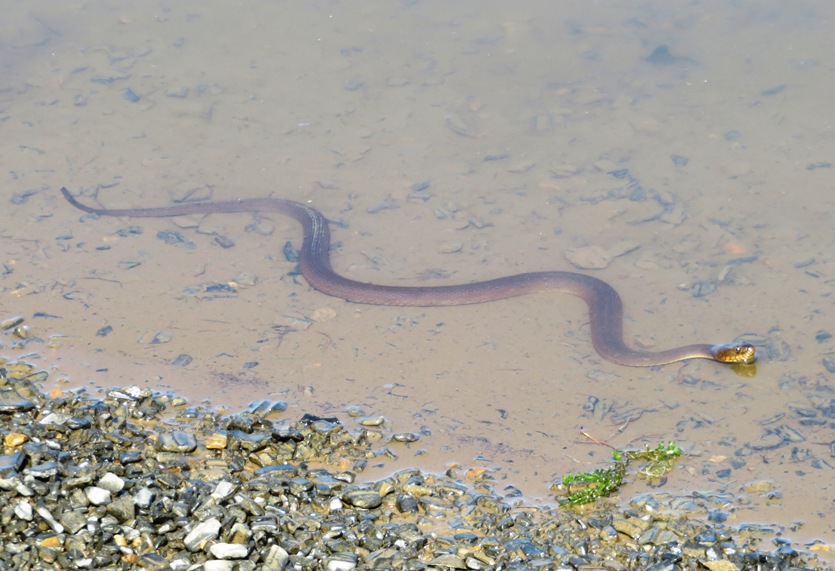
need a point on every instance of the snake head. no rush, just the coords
(735, 353)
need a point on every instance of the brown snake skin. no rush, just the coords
(605, 307)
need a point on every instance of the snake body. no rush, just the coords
(604, 303)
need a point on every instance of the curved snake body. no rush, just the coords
(605, 307)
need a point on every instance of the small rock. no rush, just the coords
(721, 565)
(23, 510)
(11, 401)
(97, 496)
(15, 439)
(407, 503)
(177, 441)
(223, 490)
(341, 562)
(73, 520)
(589, 258)
(758, 487)
(229, 550)
(448, 560)
(48, 518)
(154, 562)
(43, 470)
(203, 531)
(111, 482)
(450, 247)
(144, 497)
(217, 441)
(122, 509)
(276, 559)
(367, 499)
(11, 462)
(633, 527)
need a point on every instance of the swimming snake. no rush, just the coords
(604, 303)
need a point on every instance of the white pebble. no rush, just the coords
(144, 497)
(23, 510)
(97, 496)
(111, 482)
(201, 532)
(229, 550)
(339, 565)
(223, 490)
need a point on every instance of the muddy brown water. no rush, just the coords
(447, 143)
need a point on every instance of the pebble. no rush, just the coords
(23, 510)
(112, 483)
(97, 496)
(450, 247)
(373, 421)
(123, 509)
(597, 257)
(367, 499)
(48, 518)
(11, 462)
(341, 562)
(276, 558)
(203, 531)
(589, 257)
(229, 550)
(73, 521)
(11, 322)
(176, 239)
(405, 437)
(12, 401)
(177, 441)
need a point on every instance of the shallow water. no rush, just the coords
(448, 143)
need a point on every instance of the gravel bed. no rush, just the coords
(132, 479)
